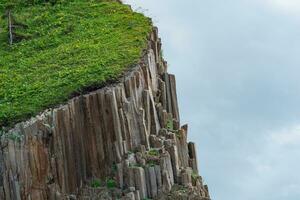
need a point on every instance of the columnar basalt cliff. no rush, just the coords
(123, 141)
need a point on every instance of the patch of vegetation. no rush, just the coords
(153, 152)
(111, 183)
(195, 175)
(179, 189)
(178, 135)
(170, 125)
(96, 183)
(74, 46)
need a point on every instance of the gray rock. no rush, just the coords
(153, 182)
(140, 181)
(129, 196)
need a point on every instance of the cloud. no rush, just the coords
(291, 7)
(274, 166)
(287, 136)
(287, 4)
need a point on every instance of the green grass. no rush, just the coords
(69, 47)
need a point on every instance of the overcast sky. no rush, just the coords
(237, 64)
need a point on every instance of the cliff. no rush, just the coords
(122, 141)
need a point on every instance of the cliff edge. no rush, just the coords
(121, 141)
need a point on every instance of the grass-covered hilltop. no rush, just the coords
(50, 50)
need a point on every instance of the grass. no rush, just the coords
(69, 47)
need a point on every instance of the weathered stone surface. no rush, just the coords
(140, 181)
(175, 162)
(153, 183)
(129, 196)
(186, 177)
(167, 171)
(193, 156)
(175, 110)
(155, 141)
(158, 179)
(182, 145)
(120, 175)
(166, 181)
(137, 195)
(140, 159)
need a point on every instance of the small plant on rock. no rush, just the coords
(111, 183)
(153, 152)
(170, 126)
(195, 175)
(95, 183)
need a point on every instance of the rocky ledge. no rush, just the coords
(123, 141)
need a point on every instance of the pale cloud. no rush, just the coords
(287, 6)
(273, 166)
(287, 136)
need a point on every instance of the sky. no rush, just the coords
(237, 65)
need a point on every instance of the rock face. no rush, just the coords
(123, 141)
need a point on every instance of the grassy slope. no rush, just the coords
(72, 46)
